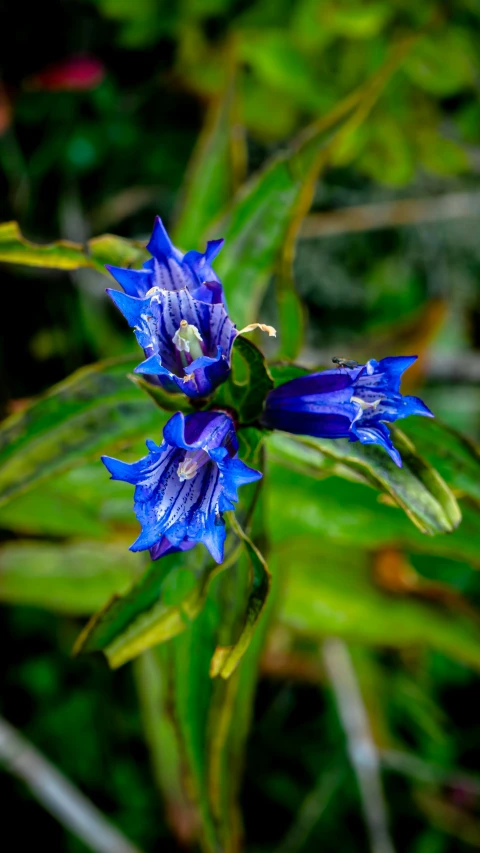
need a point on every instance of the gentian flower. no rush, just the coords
(175, 306)
(351, 403)
(183, 486)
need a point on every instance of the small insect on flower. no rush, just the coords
(344, 362)
(184, 485)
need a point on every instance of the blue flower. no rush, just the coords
(175, 306)
(169, 269)
(183, 486)
(346, 403)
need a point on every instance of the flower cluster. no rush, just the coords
(175, 305)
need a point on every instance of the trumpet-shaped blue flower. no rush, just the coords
(175, 306)
(184, 485)
(351, 403)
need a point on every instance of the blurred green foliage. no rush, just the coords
(195, 98)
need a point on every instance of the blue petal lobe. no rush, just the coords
(152, 366)
(160, 245)
(378, 434)
(214, 538)
(213, 248)
(130, 306)
(164, 547)
(415, 406)
(134, 282)
(203, 430)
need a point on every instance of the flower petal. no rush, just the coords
(313, 385)
(206, 430)
(164, 547)
(160, 245)
(377, 434)
(234, 473)
(134, 282)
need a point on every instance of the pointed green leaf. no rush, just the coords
(118, 251)
(15, 249)
(92, 411)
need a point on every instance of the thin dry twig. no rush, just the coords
(390, 214)
(58, 795)
(426, 771)
(360, 744)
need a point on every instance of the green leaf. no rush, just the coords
(453, 455)
(47, 512)
(74, 578)
(249, 447)
(194, 697)
(329, 591)
(226, 658)
(442, 62)
(65, 255)
(164, 399)
(291, 321)
(273, 202)
(110, 249)
(227, 742)
(16, 249)
(352, 513)
(416, 487)
(285, 371)
(147, 615)
(95, 409)
(215, 170)
(160, 732)
(248, 383)
(213, 715)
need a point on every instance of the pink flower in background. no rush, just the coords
(75, 74)
(5, 111)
